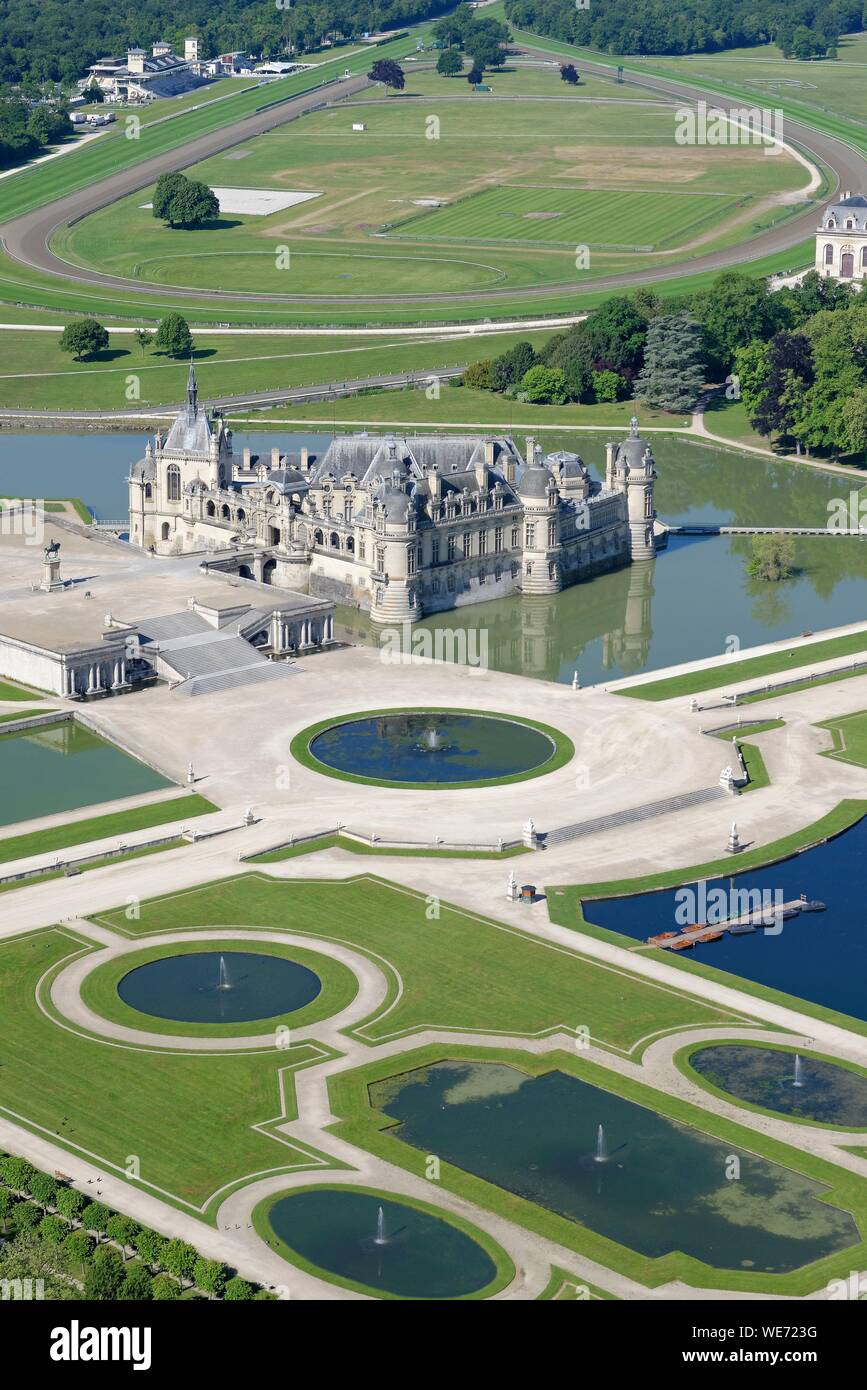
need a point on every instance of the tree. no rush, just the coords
(673, 375)
(137, 1285)
(510, 367)
(78, 1247)
(149, 1246)
(389, 73)
(164, 1289)
(104, 1276)
(475, 75)
(544, 385)
(173, 336)
(93, 92)
(854, 423)
(237, 1290)
(43, 1189)
(143, 338)
(210, 1276)
(53, 1230)
(569, 73)
(450, 62)
(123, 1231)
(733, 311)
(607, 385)
(480, 375)
(167, 185)
(69, 1203)
(25, 1216)
(772, 558)
(179, 1259)
(192, 205)
(96, 1217)
(83, 338)
(788, 374)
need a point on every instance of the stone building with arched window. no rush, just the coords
(841, 241)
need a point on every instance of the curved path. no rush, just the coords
(26, 238)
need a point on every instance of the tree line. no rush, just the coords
(81, 1248)
(802, 28)
(797, 356)
(57, 40)
(26, 130)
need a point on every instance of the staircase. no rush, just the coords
(207, 661)
(649, 811)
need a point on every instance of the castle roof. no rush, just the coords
(191, 431)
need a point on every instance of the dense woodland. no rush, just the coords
(802, 28)
(56, 40)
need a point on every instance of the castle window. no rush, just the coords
(483, 542)
(515, 538)
(829, 253)
(318, 538)
(863, 262)
(850, 224)
(529, 536)
(173, 483)
(451, 549)
(241, 515)
(498, 574)
(435, 551)
(498, 537)
(467, 544)
(362, 548)
(648, 504)
(165, 530)
(347, 509)
(149, 492)
(552, 533)
(224, 512)
(451, 581)
(350, 545)
(410, 561)
(334, 541)
(210, 509)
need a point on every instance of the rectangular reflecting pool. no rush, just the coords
(62, 767)
(624, 1171)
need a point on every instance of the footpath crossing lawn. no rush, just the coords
(850, 738)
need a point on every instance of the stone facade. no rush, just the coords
(401, 527)
(841, 241)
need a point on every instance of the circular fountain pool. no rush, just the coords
(363, 1239)
(432, 748)
(803, 1087)
(219, 987)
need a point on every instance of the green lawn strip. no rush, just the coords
(755, 726)
(359, 1124)
(342, 842)
(505, 1269)
(97, 864)
(12, 715)
(757, 773)
(683, 1062)
(18, 692)
(714, 677)
(564, 1287)
(453, 970)
(565, 907)
(858, 1151)
(99, 989)
(198, 1122)
(563, 752)
(849, 732)
(81, 832)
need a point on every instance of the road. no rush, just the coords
(26, 238)
(297, 394)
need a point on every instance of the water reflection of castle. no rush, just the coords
(545, 636)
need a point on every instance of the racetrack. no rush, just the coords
(26, 238)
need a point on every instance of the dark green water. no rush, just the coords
(219, 987)
(761, 1075)
(420, 1255)
(438, 747)
(663, 1187)
(61, 767)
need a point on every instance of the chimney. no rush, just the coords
(434, 482)
(530, 450)
(304, 457)
(489, 453)
(275, 458)
(247, 458)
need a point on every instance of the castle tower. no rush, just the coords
(632, 472)
(396, 597)
(537, 489)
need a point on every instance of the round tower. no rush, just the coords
(396, 590)
(540, 570)
(634, 475)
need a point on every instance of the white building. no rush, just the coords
(841, 241)
(139, 78)
(399, 526)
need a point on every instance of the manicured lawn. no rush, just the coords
(756, 770)
(370, 1129)
(12, 715)
(728, 419)
(754, 667)
(96, 864)
(81, 832)
(15, 692)
(850, 738)
(190, 1118)
(463, 405)
(457, 970)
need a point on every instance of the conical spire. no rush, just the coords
(192, 390)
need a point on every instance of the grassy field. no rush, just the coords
(850, 738)
(455, 970)
(16, 692)
(82, 832)
(469, 407)
(34, 372)
(341, 842)
(751, 668)
(101, 1099)
(103, 863)
(604, 167)
(728, 419)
